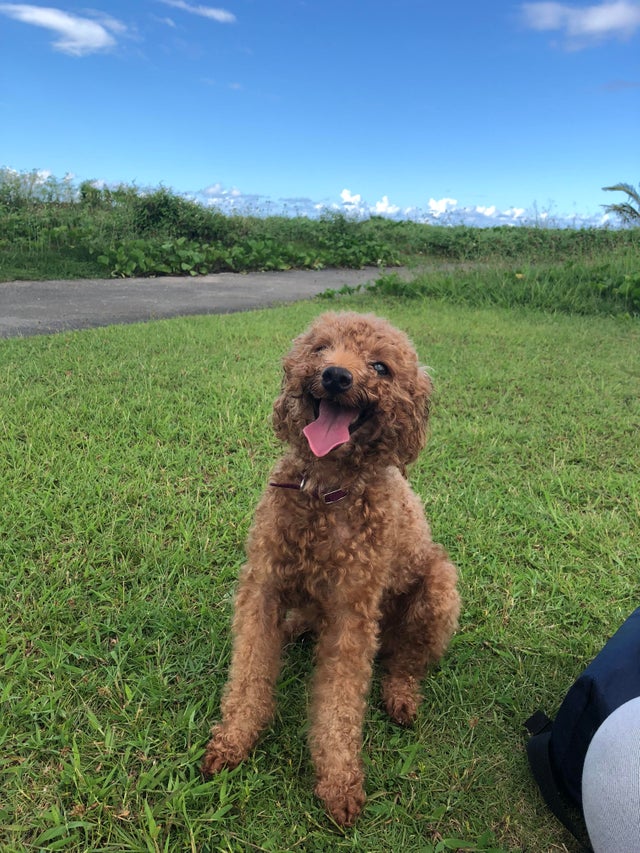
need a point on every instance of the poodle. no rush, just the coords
(340, 547)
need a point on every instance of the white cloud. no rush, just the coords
(232, 200)
(107, 21)
(76, 36)
(497, 217)
(219, 15)
(444, 210)
(353, 203)
(219, 191)
(383, 207)
(350, 200)
(444, 205)
(582, 26)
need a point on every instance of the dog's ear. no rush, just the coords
(282, 410)
(413, 435)
(280, 413)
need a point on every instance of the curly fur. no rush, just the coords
(362, 573)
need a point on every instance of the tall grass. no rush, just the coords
(609, 284)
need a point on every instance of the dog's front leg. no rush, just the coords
(345, 653)
(248, 700)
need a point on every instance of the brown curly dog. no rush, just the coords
(340, 546)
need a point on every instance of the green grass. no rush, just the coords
(132, 459)
(607, 284)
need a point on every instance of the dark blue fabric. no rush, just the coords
(610, 680)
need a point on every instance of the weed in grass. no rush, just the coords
(132, 460)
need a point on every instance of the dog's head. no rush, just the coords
(353, 388)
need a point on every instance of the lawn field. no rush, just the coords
(131, 460)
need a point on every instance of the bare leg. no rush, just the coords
(248, 701)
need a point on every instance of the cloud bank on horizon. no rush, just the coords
(444, 211)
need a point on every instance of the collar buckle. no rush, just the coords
(334, 496)
(331, 497)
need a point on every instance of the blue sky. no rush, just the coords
(490, 111)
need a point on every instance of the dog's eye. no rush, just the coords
(380, 368)
(319, 348)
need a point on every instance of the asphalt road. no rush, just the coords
(46, 307)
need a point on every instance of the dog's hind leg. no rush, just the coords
(248, 700)
(415, 632)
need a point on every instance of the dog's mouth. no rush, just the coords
(333, 425)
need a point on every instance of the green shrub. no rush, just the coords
(51, 229)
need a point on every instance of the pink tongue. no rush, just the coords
(331, 427)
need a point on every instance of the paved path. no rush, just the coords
(44, 307)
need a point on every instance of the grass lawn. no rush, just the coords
(132, 458)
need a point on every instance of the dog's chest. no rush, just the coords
(329, 542)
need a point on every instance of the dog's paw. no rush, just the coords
(222, 751)
(343, 802)
(402, 711)
(401, 700)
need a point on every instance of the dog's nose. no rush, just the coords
(336, 379)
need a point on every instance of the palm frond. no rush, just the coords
(628, 211)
